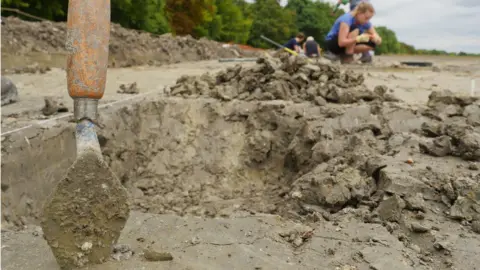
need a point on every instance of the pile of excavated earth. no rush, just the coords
(127, 47)
(358, 151)
(288, 79)
(364, 180)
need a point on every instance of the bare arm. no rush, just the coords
(375, 35)
(372, 31)
(304, 46)
(343, 40)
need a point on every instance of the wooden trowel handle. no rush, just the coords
(88, 35)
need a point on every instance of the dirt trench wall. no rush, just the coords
(174, 156)
(32, 162)
(183, 155)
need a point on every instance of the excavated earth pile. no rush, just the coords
(305, 141)
(44, 42)
(291, 78)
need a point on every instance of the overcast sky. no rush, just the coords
(451, 25)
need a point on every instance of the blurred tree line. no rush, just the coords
(235, 21)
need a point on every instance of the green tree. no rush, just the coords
(390, 44)
(147, 15)
(244, 6)
(406, 48)
(14, 3)
(55, 10)
(313, 18)
(271, 20)
(228, 23)
(185, 16)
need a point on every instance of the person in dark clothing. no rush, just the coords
(294, 43)
(311, 48)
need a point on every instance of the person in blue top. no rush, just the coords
(352, 33)
(294, 43)
(366, 57)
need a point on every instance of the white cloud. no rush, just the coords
(451, 25)
(432, 24)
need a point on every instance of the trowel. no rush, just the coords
(83, 217)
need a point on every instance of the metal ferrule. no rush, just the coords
(86, 137)
(85, 108)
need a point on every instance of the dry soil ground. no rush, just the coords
(266, 165)
(205, 157)
(410, 84)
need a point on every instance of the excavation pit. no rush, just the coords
(362, 169)
(175, 156)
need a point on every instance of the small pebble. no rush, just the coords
(416, 248)
(195, 240)
(121, 248)
(122, 252)
(38, 232)
(473, 167)
(420, 216)
(4, 186)
(297, 242)
(402, 237)
(442, 245)
(476, 227)
(390, 227)
(448, 263)
(155, 256)
(86, 246)
(426, 259)
(418, 228)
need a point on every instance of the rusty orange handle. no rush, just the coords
(88, 35)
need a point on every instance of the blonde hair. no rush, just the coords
(363, 7)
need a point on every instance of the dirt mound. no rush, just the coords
(127, 47)
(292, 78)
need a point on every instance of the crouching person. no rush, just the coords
(311, 48)
(294, 43)
(352, 33)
